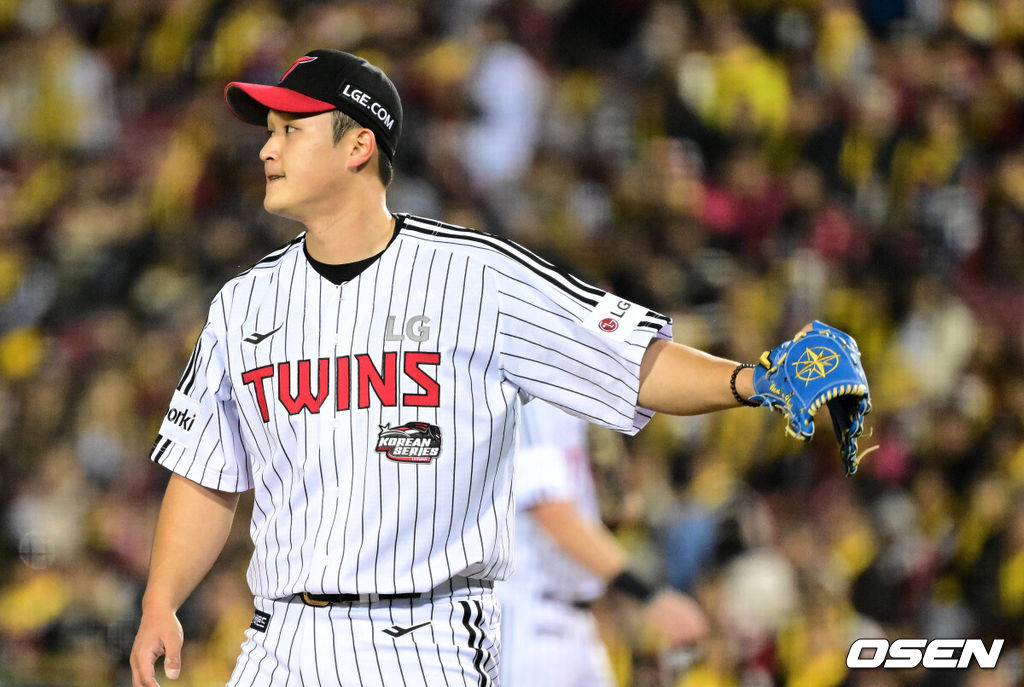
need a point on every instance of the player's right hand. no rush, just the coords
(677, 618)
(159, 634)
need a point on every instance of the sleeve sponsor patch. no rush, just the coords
(180, 422)
(614, 317)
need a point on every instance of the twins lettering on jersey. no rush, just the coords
(356, 379)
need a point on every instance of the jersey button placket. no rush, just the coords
(330, 318)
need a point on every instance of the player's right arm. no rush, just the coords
(191, 530)
(199, 442)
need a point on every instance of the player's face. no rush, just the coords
(303, 167)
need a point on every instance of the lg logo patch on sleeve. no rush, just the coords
(615, 317)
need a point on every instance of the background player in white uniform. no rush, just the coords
(365, 380)
(564, 558)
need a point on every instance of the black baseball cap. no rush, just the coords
(324, 80)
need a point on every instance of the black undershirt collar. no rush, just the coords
(347, 271)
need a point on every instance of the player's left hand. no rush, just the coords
(676, 617)
(820, 366)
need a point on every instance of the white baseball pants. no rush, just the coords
(450, 640)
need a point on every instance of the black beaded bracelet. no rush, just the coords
(629, 584)
(732, 385)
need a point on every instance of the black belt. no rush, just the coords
(328, 599)
(446, 587)
(578, 604)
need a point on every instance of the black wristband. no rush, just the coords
(732, 385)
(629, 584)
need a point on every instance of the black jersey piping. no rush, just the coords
(563, 280)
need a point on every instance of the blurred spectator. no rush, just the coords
(506, 91)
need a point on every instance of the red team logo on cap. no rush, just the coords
(301, 60)
(608, 324)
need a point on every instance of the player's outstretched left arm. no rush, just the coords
(819, 367)
(681, 380)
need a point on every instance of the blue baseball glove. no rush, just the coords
(815, 368)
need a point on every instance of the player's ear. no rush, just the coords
(363, 147)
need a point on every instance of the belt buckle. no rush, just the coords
(310, 601)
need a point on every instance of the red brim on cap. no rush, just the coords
(251, 101)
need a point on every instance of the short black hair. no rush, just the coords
(342, 124)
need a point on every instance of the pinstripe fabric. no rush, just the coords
(545, 645)
(548, 641)
(552, 464)
(345, 645)
(294, 378)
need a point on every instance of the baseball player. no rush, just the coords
(365, 380)
(565, 558)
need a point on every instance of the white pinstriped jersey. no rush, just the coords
(376, 419)
(552, 464)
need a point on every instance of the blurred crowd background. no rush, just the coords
(743, 165)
